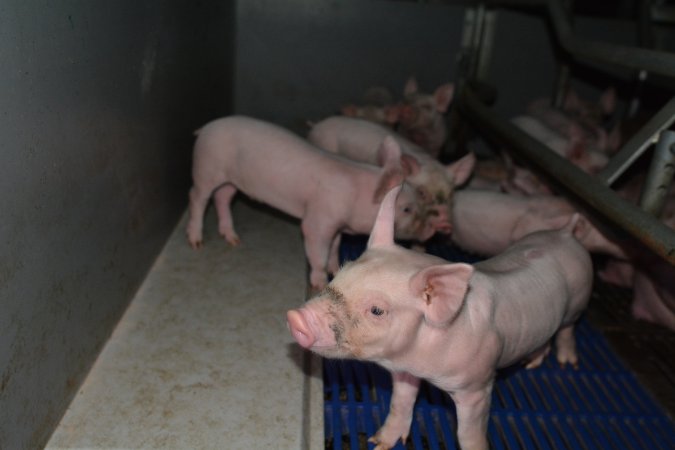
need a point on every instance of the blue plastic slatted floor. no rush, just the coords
(598, 406)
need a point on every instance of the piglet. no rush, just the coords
(359, 139)
(575, 128)
(452, 324)
(328, 193)
(573, 147)
(486, 222)
(421, 116)
(654, 293)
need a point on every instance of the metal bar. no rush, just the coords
(660, 175)
(653, 61)
(637, 145)
(595, 194)
(562, 81)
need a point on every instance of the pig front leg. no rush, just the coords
(222, 199)
(397, 424)
(318, 239)
(473, 412)
(334, 255)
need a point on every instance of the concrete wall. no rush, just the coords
(300, 60)
(97, 104)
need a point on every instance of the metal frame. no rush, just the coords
(595, 191)
(585, 187)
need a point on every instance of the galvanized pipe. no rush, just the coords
(586, 188)
(660, 175)
(653, 61)
(639, 143)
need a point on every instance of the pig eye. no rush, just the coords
(407, 209)
(376, 311)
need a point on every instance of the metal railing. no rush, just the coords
(594, 191)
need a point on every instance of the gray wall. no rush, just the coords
(98, 101)
(300, 60)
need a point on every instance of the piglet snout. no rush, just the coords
(300, 328)
(441, 219)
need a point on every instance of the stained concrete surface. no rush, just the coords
(202, 358)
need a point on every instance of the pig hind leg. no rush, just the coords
(566, 349)
(222, 199)
(199, 198)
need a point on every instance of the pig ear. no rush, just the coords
(443, 96)
(462, 169)
(393, 171)
(390, 178)
(389, 152)
(441, 291)
(410, 86)
(410, 165)
(382, 233)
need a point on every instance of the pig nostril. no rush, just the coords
(299, 329)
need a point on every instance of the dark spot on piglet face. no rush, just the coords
(333, 294)
(443, 198)
(338, 332)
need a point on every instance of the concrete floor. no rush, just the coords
(202, 358)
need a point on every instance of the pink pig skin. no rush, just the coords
(574, 148)
(421, 116)
(654, 294)
(328, 193)
(592, 135)
(450, 323)
(588, 112)
(359, 139)
(487, 222)
(383, 115)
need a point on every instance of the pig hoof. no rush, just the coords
(378, 445)
(196, 245)
(564, 360)
(537, 358)
(233, 241)
(534, 363)
(575, 365)
(379, 440)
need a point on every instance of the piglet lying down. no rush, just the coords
(452, 324)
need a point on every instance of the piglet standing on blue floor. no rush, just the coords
(452, 324)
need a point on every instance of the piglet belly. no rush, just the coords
(277, 192)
